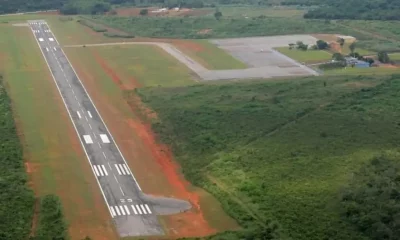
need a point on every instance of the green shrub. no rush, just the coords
(118, 35)
(92, 26)
(332, 65)
(51, 223)
(16, 199)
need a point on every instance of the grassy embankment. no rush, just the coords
(55, 160)
(280, 150)
(309, 56)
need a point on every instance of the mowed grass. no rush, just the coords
(309, 56)
(394, 56)
(282, 150)
(56, 162)
(209, 55)
(140, 65)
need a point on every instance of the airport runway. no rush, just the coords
(133, 213)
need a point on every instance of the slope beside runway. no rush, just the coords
(133, 213)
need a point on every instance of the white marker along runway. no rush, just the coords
(110, 169)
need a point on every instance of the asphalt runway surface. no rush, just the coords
(133, 212)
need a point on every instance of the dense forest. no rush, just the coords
(97, 6)
(356, 9)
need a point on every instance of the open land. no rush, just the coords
(131, 81)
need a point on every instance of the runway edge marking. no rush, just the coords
(70, 117)
(97, 111)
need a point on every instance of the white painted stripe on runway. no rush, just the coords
(122, 169)
(90, 115)
(127, 170)
(144, 210)
(116, 166)
(122, 210)
(99, 145)
(79, 115)
(76, 98)
(95, 170)
(90, 126)
(73, 91)
(55, 49)
(134, 209)
(51, 39)
(86, 119)
(47, 49)
(127, 210)
(148, 209)
(72, 121)
(110, 167)
(104, 138)
(112, 211)
(104, 169)
(104, 155)
(120, 188)
(101, 171)
(116, 209)
(41, 39)
(138, 208)
(88, 139)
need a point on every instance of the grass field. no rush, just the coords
(309, 56)
(364, 71)
(208, 54)
(280, 150)
(55, 160)
(395, 56)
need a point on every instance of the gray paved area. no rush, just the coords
(133, 212)
(256, 52)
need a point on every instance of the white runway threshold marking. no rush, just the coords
(123, 210)
(122, 169)
(104, 138)
(100, 170)
(88, 139)
(41, 39)
(51, 39)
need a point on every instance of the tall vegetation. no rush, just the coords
(279, 151)
(16, 199)
(372, 199)
(51, 223)
(224, 27)
(356, 9)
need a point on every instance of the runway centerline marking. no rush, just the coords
(120, 188)
(88, 139)
(116, 179)
(109, 165)
(86, 119)
(104, 155)
(90, 115)
(99, 145)
(79, 115)
(90, 126)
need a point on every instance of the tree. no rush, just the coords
(301, 46)
(217, 14)
(352, 46)
(321, 44)
(370, 61)
(337, 57)
(340, 41)
(383, 57)
(144, 12)
(372, 199)
(291, 45)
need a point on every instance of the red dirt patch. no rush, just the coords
(127, 85)
(205, 31)
(188, 45)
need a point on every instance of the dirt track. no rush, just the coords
(276, 64)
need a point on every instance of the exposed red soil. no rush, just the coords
(335, 47)
(188, 45)
(152, 163)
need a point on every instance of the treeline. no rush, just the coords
(356, 9)
(16, 198)
(101, 6)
